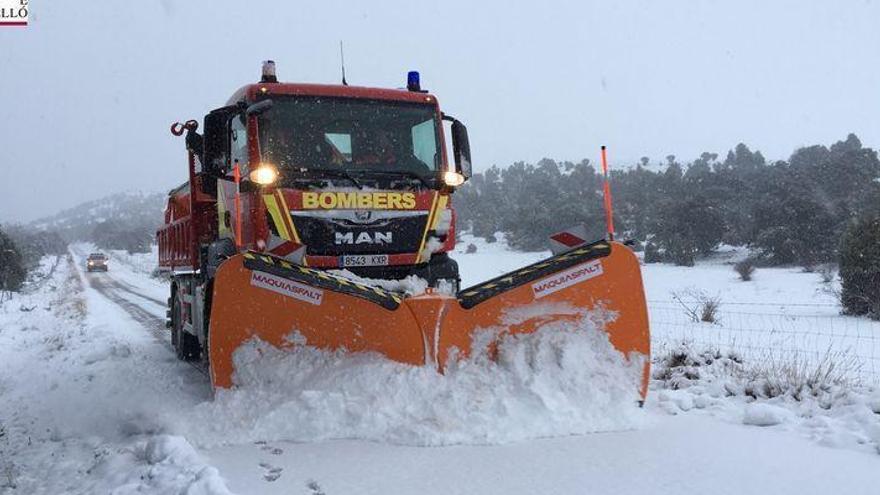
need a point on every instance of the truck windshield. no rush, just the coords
(320, 133)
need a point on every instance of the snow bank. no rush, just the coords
(558, 381)
(140, 263)
(762, 414)
(831, 412)
(155, 464)
(81, 385)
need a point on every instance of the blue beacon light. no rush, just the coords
(412, 81)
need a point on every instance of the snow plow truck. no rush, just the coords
(291, 183)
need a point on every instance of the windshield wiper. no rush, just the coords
(332, 173)
(404, 173)
(307, 181)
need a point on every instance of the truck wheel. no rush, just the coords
(443, 274)
(449, 286)
(186, 345)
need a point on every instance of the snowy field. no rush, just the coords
(93, 400)
(783, 314)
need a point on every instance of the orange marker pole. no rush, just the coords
(609, 215)
(236, 175)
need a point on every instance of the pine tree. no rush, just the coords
(12, 271)
(860, 268)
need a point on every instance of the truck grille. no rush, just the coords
(360, 232)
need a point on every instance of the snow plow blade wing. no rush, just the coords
(285, 304)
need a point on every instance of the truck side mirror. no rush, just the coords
(215, 142)
(461, 149)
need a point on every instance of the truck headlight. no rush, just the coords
(453, 179)
(264, 174)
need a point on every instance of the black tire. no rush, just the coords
(450, 284)
(444, 270)
(186, 345)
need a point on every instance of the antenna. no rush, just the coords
(342, 58)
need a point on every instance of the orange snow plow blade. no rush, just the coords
(258, 296)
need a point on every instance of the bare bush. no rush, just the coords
(826, 273)
(775, 374)
(681, 366)
(745, 269)
(791, 375)
(699, 306)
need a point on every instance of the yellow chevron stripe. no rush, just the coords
(427, 227)
(277, 216)
(287, 218)
(441, 205)
(289, 222)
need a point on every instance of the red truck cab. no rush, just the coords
(326, 176)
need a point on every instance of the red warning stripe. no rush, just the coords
(567, 239)
(285, 248)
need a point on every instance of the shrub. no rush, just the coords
(860, 268)
(775, 374)
(709, 309)
(790, 374)
(698, 306)
(652, 254)
(471, 249)
(111, 235)
(745, 269)
(12, 269)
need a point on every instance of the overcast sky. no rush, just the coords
(89, 89)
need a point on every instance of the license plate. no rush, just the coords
(365, 260)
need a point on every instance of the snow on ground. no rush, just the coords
(557, 381)
(140, 263)
(93, 401)
(490, 260)
(137, 272)
(817, 404)
(782, 314)
(683, 454)
(81, 386)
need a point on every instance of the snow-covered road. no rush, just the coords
(93, 401)
(670, 455)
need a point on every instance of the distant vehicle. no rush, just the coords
(96, 262)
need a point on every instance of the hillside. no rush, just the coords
(127, 211)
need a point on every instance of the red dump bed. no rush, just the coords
(179, 237)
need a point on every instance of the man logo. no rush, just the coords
(363, 215)
(363, 238)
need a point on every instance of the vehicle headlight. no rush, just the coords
(264, 174)
(453, 179)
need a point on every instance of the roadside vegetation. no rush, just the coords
(788, 212)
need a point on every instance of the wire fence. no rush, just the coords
(810, 333)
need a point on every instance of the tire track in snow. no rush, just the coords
(131, 289)
(110, 289)
(151, 322)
